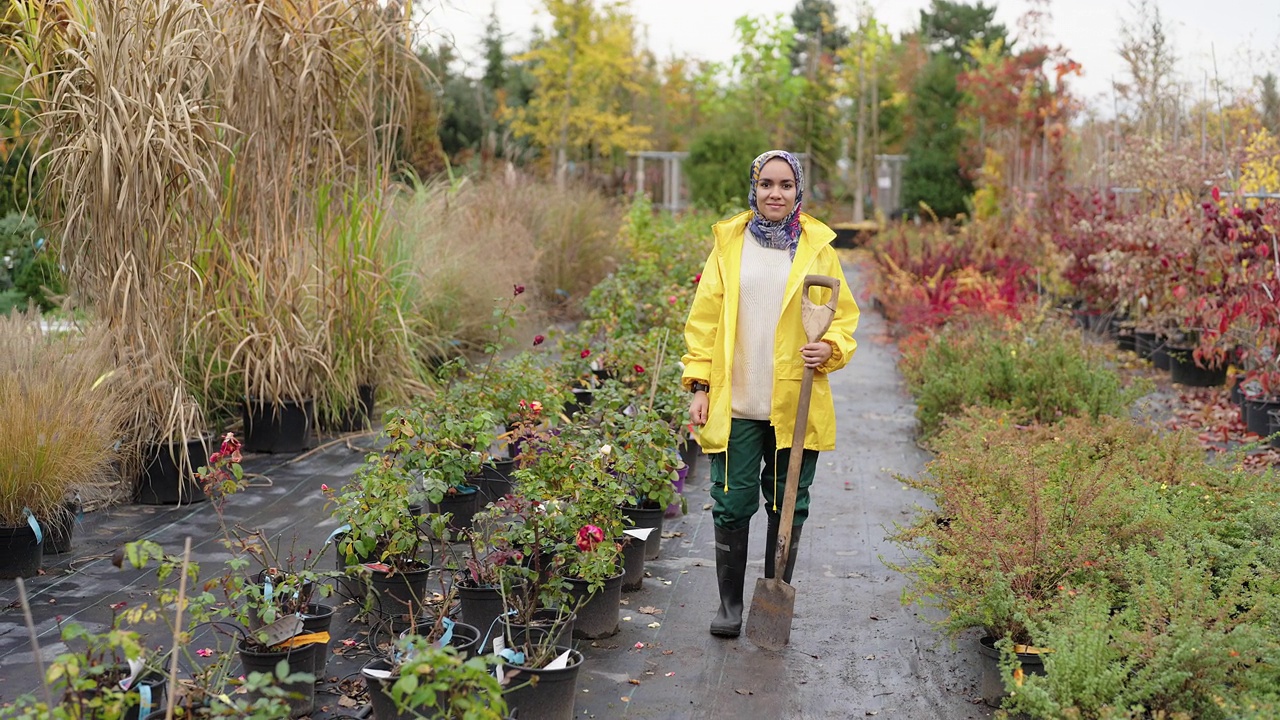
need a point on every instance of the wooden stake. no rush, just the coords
(35, 643)
(177, 631)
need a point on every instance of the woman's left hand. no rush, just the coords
(815, 354)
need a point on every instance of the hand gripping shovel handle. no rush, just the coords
(816, 320)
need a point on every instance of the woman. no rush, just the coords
(747, 352)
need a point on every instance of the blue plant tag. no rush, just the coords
(35, 525)
(266, 589)
(511, 656)
(448, 633)
(144, 708)
(341, 529)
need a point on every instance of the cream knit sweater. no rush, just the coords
(763, 285)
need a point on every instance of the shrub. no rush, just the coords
(719, 164)
(1039, 372)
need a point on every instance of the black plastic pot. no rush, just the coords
(992, 685)
(1274, 428)
(1183, 369)
(462, 505)
(690, 451)
(60, 527)
(20, 552)
(166, 479)
(150, 692)
(1145, 343)
(632, 564)
(557, 622)
(384, 706)
(358, 417)
(1160, 357)
(401, 594)
(1125, 338)
(1257, 418)
(466, 638)
(480, 606)
(551, 697)
(648, 516)
(302, 695)
(495, 479)
(319, 618)
(277, 428)
(597, 613)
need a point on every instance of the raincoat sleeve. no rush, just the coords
(840, 335)
(703, 323)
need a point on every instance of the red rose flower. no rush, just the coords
(538, 340)
(588, 537)
(585, 353)
(639, 369)
(517, 289)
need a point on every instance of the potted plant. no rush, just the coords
(379, 536)
(447, 453)
(421, 679)
(65, 405)
(265, 343)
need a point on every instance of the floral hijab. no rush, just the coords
(784, 234)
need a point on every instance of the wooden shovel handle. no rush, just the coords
(816, 319)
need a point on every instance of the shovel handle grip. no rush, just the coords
(817, 318)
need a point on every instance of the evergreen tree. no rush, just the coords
(815, 22)
(948, 27)
(495, 60)
(1270, 104)
(932, 174)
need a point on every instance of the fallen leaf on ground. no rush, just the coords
(670, 674)
(672, 534)
(651, 610)
(870, 657)
(740, 691)
(348, 702)
(633, 681)
(655, 625)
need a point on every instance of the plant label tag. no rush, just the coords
(378, 567)
(499, 644)
(135, 669)
(641, 534)
(380, 674)
(280, 630)
(560, 662)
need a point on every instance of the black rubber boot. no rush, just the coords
(731, 571)
(771, 550)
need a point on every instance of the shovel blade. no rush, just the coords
(772, 607)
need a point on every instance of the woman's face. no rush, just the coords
(776, 190)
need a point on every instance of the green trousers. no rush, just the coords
(753, 465)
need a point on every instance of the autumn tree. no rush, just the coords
(1150, 92)
(584, 73)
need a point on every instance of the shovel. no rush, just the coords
(774, 602)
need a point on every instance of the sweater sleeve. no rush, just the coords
(703, 323)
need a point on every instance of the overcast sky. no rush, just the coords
(1244, 34)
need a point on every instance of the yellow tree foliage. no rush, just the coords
(585, 81)
(1260, 170)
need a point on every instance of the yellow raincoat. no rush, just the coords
(711, 330)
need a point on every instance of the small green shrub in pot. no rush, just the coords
(1022, 511)
(374, 507)
(437, 682)
(1037, 372)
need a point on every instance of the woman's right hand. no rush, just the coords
(698, 407)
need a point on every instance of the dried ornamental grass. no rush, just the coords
(65, 404)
